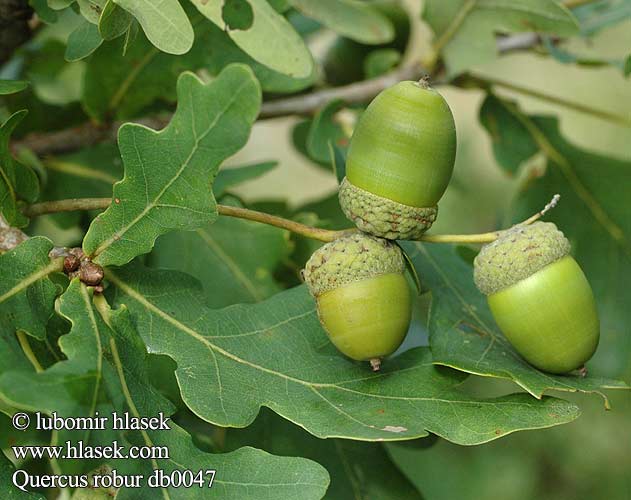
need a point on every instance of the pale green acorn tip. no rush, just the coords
(383, 217)
(349, 259)
(518, 253)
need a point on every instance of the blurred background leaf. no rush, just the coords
(364, 470)
(270, 40)
(465, 29)
(501, 176)
(167, 27)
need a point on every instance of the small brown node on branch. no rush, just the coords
(90, 273)
(71, 263)
(77, 252)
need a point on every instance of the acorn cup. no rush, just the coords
(539, 296)
(400, 160)
(363, 299)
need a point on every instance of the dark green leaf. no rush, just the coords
(106, 371)
(229, 177)
(299, 134)
(271, 40)
(222, 50)
(84, 40)
(42, 117)
(12, 86)
(338, 160)
(243, 473)
(167, 187)
(237, 14)
(325, 131)
(74, 386)
(166, 26)
(110, 90)
(233, 361)
(237, 257)
(26, 292)
(89, 173)
(328, 211)
(350, 18)
(130, 36)
(381, 61)
(279, 6)
(60, 4)
(512, 145)
(358, 470)
(17, 182)
(114, 21)
(53, 79)
(44, 12)
(7, 490)
(91, 9)
(409, 265)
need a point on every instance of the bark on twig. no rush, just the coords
(10, 237)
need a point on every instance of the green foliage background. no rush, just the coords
(237, 355)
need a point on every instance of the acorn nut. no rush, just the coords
(363, 299)
(539, 296)
(400, 160)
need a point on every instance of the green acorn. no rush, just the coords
(539, 296)
(362, 296)
(400, 160)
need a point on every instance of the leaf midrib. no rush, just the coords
(99, 360)
(553, 155)
(54, 266)
(231, 265)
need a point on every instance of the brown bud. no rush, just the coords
(77, 252)
(90, 273)
(71, 263)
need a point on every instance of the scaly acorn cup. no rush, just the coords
(539, 296)
(400, 160)
(363, 300)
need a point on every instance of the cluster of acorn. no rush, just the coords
(400, 161)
